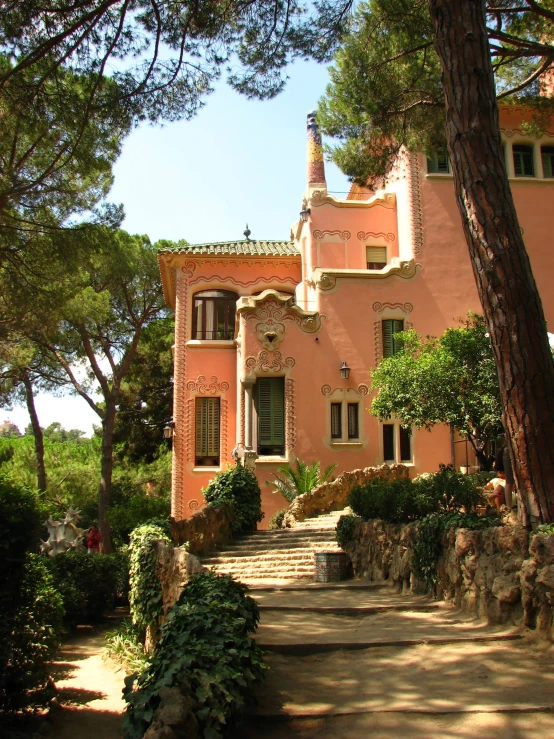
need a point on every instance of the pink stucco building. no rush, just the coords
(263, 328)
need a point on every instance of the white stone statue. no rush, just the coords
(63, 535)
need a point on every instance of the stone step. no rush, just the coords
(276, 545)
(270, 572)
(261, 556)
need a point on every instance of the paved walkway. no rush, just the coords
(353, 661)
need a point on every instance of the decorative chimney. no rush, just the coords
(316, 166)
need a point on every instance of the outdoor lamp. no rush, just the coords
(168, 429)
(304, 214)
(344, 371)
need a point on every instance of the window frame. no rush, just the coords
(395, 344)
(223, 299)
(521, 150)
(547, 151)
(273, 445)
(435, 160)
(374, 265)
(202, 433)
(398, 437)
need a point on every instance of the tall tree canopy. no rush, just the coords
(406, 66)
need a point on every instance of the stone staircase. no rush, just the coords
(281, 555)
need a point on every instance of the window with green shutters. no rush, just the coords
(207, 432)
(270, 399)
(438, 163)
(391, 345)
(523, 160)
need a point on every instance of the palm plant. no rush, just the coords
(293, 482)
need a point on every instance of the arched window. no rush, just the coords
(523, 160)
(213, 315)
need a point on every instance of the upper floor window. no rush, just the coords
(376, 257)
(523, 160)
(389, 328)
(547, 155)
(213, 315)
(438, 163)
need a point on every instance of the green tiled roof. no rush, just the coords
(254, 248)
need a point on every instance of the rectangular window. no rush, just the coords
(336, 420)
(207, 432)
(270, 401)
(391, 345)
(376, 257)
(353, 429)
(405, 445)
(388, 442)
(547, 154)
(523, 160)
(438, 163)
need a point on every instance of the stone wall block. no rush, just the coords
(506, 588)
(205, 530)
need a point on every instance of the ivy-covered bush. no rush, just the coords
(239, 487)
(135, 511)
(276, 521)
(145, 594)
(428, 546)
(345, 530)
(401, 501)
(25, 681)
(89, 585)
(205, 651)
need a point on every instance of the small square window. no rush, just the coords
(376, 257)
(438, 163)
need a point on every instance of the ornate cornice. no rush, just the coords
(365, 235)
(326, 280)
(269, 362)
(342, 235)
(200, 386)
(272, 308)
(362, 390)
(384, 199)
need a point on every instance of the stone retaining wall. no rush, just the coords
(332, 496)
(503, 574)
(204, 530)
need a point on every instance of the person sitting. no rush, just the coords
(497, 486)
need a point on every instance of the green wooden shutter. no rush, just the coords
(438, 163)
(390, 344)
(271, 411)
(207, 427)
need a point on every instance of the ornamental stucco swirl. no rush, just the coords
(326, 282)
(269, 362)
(342, 235)
(404, 307)
(270, 318)
(193, 505)
(188, 269)
(362, 390)
(365, 235)
(290, 417)
(180, 440)
(201, 387)
(416, 209)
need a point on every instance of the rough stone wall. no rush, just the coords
(502, 574)
(174, 567)
(332, 496)
(205, 530)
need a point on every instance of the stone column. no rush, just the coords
(248, 385)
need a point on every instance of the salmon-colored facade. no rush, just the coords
(263, 328)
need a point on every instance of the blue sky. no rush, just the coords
(238, 161)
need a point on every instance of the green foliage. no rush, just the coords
(124, 646)
(451, 380)
(238, 487)
(88, 584)
(386, 89)
(204, 650)
(276, 521)
(346, 526)
(294, 482)
(401, 501)
(134, 511)
(428, 546)
(145, 594)
(32, 642)
(545, 528)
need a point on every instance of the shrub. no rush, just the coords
(276, 521)
(124, 645)
(135, 511)
(206, 652)
(88, 584)
(303, 478)
(145, 594)
(345, 530)
(428, 545)
(238, 487)
(24, 681)
(395, 501)
(448, 490)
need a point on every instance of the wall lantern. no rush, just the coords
(304, 214)
(168, 429)
(344, 371)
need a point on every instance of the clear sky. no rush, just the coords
(238, 161)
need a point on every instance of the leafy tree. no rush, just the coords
(449, 380)
(396, 77)
(98, 326)
(146, 399)
(293, 482)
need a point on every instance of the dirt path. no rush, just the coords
(351, 663)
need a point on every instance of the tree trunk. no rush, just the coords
(511, 303)
(37, 432)
(105, 492)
